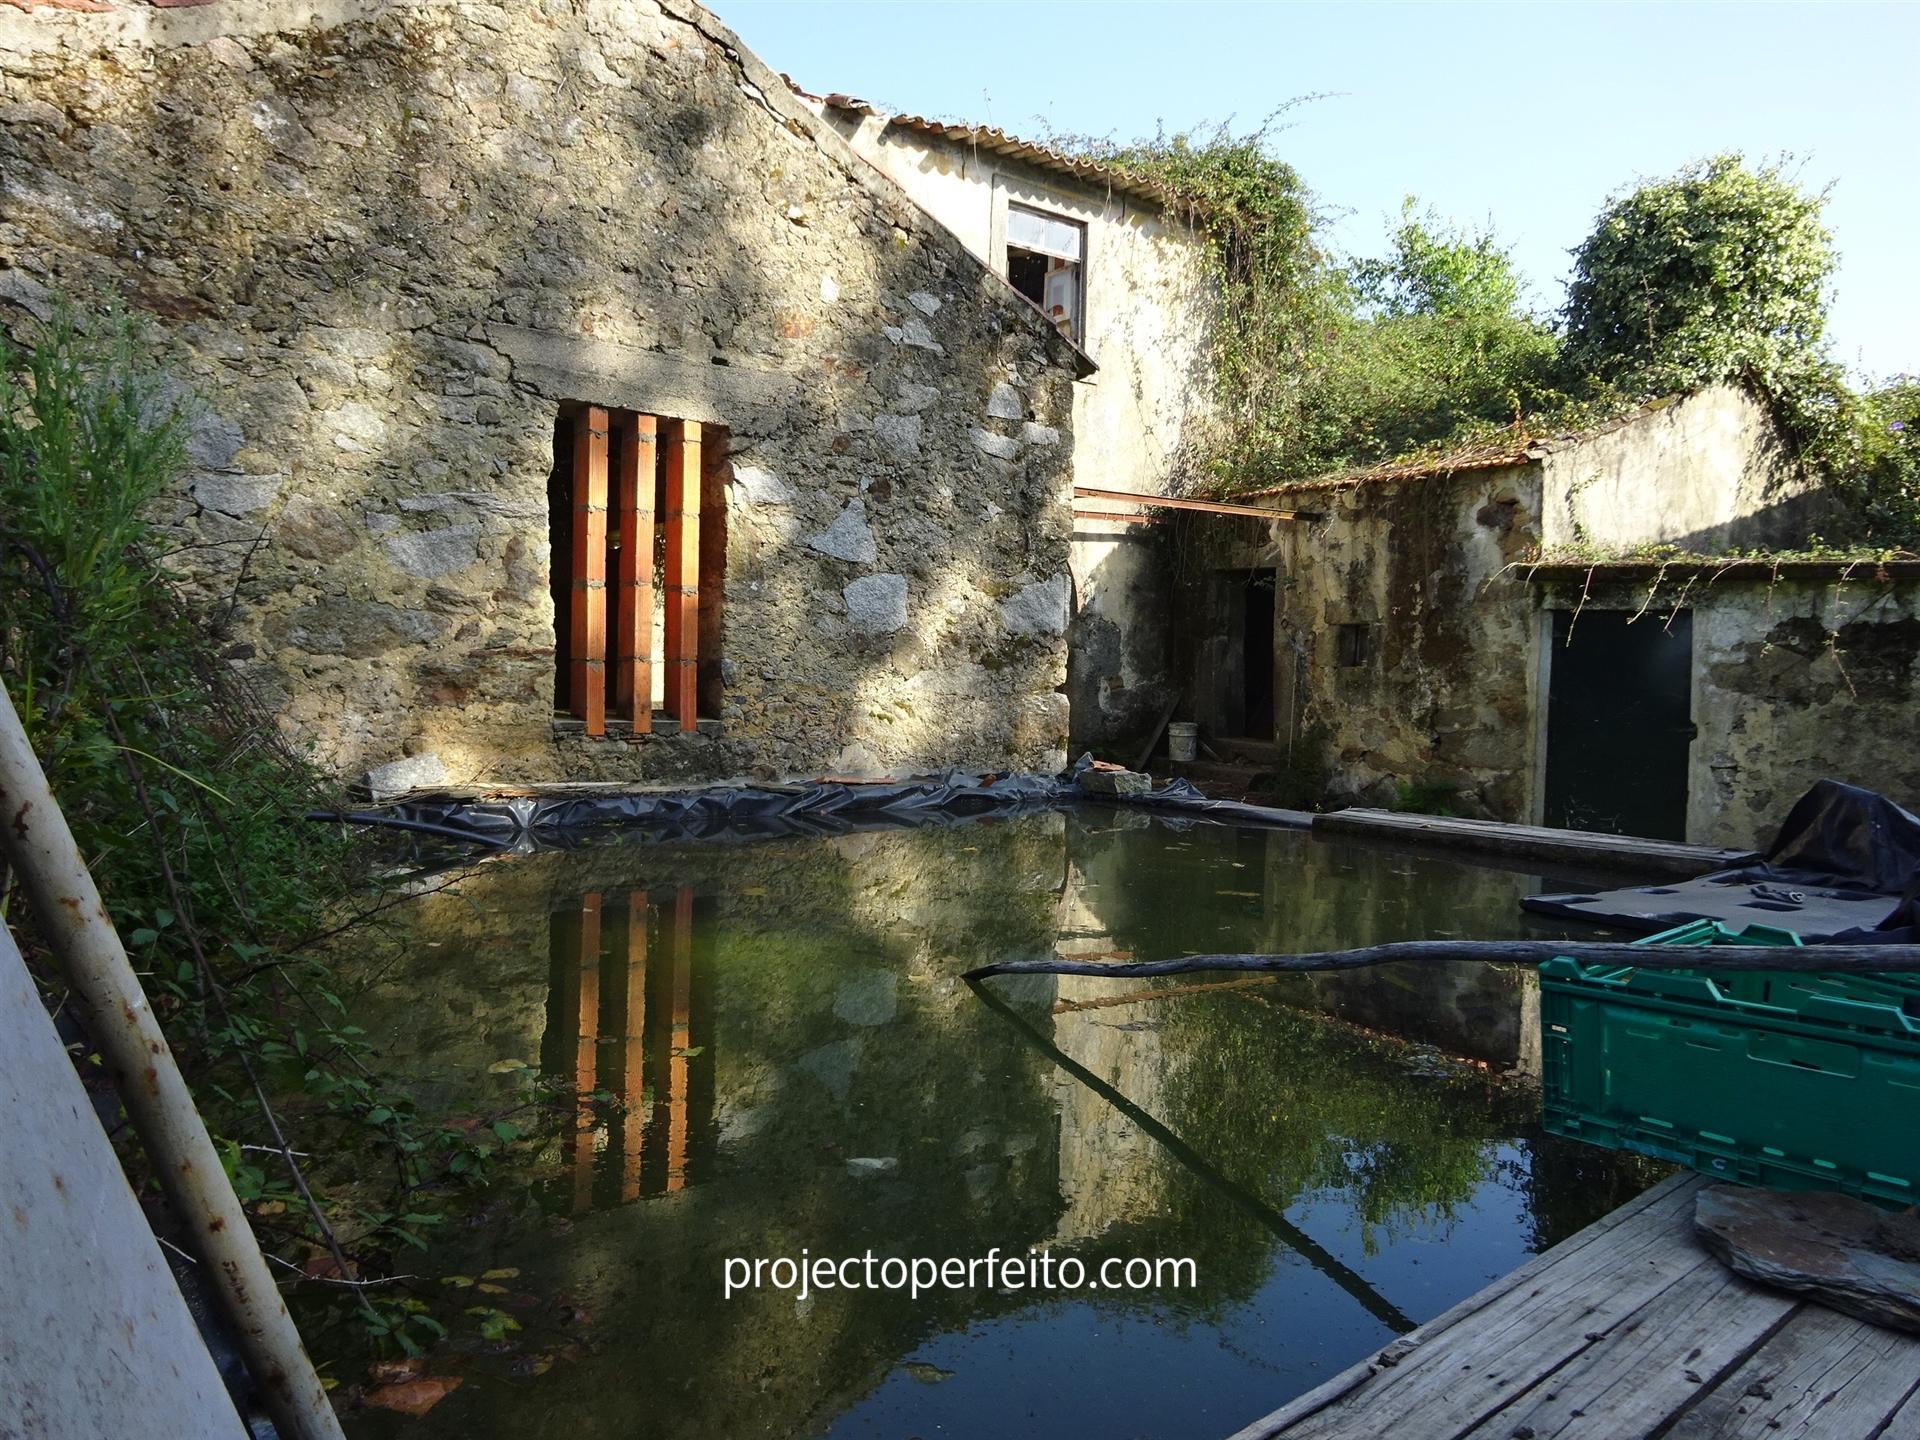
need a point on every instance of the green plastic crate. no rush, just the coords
(1789, 1081)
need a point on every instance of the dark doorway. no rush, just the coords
(1258, 602)
(1619, 723)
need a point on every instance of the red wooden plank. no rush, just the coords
(587, 673)
(633, 1124)
(633, 584)
(586, 1050)
(679, 1076)
(683, 571)
(1171, 502)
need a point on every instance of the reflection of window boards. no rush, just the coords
(1046, 256)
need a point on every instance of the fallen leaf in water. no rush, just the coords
(501, 1067)
(1240, 894)
(506, 1273)
(414, 1397)
(393, 1372)
(926, 1374)
(751, 890)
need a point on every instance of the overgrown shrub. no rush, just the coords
(1318, 364)
(188, 810)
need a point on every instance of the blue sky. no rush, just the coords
(1526, 116)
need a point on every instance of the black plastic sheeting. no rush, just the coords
(1845, 867)
(563, 819)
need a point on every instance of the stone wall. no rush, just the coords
(1139, 421)
(1443, 692)
(386, 241)
(1796, 679)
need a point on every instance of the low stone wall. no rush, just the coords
(386, 242)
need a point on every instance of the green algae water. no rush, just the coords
(776, 1058)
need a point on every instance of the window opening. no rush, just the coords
(637, 521)
(1046, 257)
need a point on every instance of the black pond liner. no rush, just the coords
(1845, 868)
(588, 815)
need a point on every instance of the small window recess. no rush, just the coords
(1352, 645)
(1046, 262)
(637, 518)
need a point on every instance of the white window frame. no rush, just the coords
(1050, 203)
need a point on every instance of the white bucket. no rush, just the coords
(1182, 738)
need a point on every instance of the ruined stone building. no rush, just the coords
(1401, 626)
(568, 399)
(1119, 265)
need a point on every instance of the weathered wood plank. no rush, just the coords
(1513, 1343)
(1537, 842)
(683, 571)
(1547, 1283)
(587, 622)
(633, 585)
(1627, 1329)
(1654, 1364)
(1823, 1375)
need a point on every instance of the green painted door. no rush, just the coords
(1619, 725)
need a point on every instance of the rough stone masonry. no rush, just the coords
(385, 240)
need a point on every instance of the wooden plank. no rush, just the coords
(1675, 1349)
(680, 1040)
(633, 584)
(1202, 507)
(683, 571)
(586, 1050)
(1518, 1339)
(633, 1124)
(1159, 729)
(1110, 516)
(1537, 842)
(1653, 1207)
(716, 472)
(1822, 1375)
(587, 632)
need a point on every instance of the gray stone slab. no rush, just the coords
(1842, 1252)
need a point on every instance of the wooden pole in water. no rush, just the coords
(1853, 959)
(67, 907)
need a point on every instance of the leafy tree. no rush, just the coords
(1721, 271)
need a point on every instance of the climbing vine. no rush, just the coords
(1721, 272)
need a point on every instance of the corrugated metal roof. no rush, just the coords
(989, 137)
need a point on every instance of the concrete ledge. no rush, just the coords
(1537, 842)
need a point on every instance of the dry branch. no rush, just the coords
(1856, 959)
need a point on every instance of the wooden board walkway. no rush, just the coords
(1628, 1329)
(1536, 842)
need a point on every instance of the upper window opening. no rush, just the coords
(1046, 260)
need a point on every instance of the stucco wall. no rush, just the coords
(1706, 472)
(1137, 421)
(1797, 681)
(1445, 694)
(385, 244)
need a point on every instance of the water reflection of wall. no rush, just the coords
(1110, 1169)
(812, 1076)
(857, 1096)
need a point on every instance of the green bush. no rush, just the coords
(188, 807)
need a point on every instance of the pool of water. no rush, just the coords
(790, 1066)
